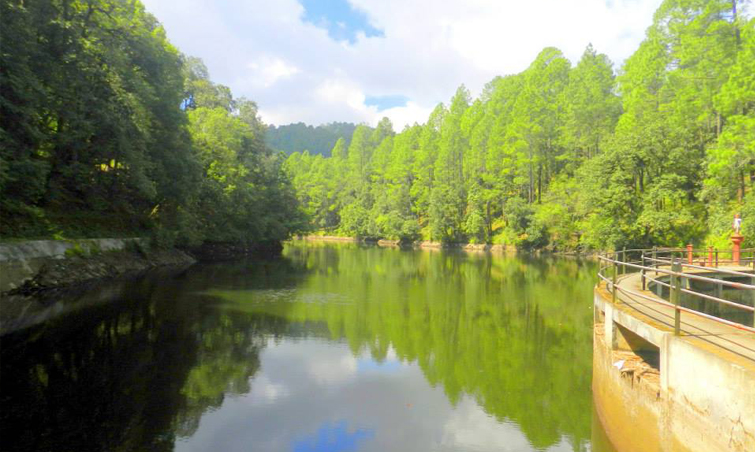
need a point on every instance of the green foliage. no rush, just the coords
(300, 137)
(77, 250)
(106, 129)
(137, 246)
(83, 249)
(564, 157)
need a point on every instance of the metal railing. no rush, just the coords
(675, 269)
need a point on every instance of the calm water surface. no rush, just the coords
(331, 348)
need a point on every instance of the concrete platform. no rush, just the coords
(705, 399)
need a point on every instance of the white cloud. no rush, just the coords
(265, 391)
(266, 71)
(325, 365)
(263, 50)
(469, 427)
(340, 91)
(333, 371)
(406, 115)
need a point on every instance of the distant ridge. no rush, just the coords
(300, 137)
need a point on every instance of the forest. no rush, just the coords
(106, 129)
(660, 151)
(300, 137)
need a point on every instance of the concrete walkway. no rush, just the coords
(703, 332)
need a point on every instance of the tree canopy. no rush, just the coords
(300, 137)
(106, 128)
(567, 156)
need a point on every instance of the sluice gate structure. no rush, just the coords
(674, 350)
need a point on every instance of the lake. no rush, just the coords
(333, 347)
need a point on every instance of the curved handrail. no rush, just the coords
(663, 261)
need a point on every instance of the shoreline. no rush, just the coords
(28, 267)
(34, 266)
(34, 273)
(31, 267)
(424, 244)
(429, 245)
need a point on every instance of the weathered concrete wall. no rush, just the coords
(19, 262)
(630, 411)
(704, 400)
(719, 391)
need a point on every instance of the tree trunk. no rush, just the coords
(741, 186)
(488, 222)
(734, 21)
(531, 184)
(539, 182)
(718, 124)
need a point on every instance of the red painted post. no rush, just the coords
(689, 254)
(736, 241)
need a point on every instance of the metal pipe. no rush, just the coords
(727, 272)
(660, 283)
(642, 271)
(698, 313)
(613, 284)
(676, 296)
(743, 307)
(703, 278)
(655, 251)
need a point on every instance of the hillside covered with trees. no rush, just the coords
(300, 137)
(107, 129)
(660, 152)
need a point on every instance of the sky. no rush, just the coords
(369, 406)
(318, 61)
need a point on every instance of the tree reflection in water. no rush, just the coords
(514, 334)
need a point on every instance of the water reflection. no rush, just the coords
(333, 438)
(331, 348)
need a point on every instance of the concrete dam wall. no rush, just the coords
(657, 391)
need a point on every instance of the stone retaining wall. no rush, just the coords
(21, 261)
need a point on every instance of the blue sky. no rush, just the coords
(333, 437)
(319, 61)
(340, 18)
(385, 102)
